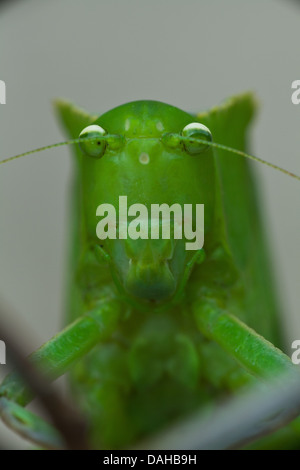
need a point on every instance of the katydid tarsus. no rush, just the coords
(156, 331)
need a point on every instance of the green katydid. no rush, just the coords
(149, 321)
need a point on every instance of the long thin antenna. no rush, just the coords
(240, 153)
(59, 144)
(182, 138)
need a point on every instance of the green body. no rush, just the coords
(157, 366)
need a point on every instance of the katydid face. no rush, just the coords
(143, 162)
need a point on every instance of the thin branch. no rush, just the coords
(244, 419)
(68, 422)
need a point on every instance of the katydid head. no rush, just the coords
(143, 186)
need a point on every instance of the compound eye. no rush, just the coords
(196, 131)
(93, 148)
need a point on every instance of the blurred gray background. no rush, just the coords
(100, 54)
